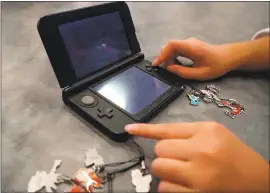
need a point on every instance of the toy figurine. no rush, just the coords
(48, 180)
(213, 89)
(141, 179)
(76, 188)
(92, 157)
(194, 100)
(85, 180)
(209, 96)
(235, 108)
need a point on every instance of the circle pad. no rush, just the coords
(88, 100)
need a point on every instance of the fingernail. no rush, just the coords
(130, 128)
(169, 68)
(155, 62)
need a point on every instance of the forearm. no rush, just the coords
(252, 55)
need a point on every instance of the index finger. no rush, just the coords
(163, 131)
(173, 48)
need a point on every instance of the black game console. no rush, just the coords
(98, 62)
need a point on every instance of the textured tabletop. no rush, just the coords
(36, 126)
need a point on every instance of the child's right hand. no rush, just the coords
(210, 61)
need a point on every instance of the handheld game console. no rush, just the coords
(104, 77)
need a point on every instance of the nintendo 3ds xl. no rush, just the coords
(101, 70)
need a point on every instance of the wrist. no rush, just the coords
(250, 55)
(238, 54)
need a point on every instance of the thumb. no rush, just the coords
(197, 73)
(174, 48)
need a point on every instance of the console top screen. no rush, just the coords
(132, 90)
(95, 42)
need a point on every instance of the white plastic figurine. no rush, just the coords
(140, 181)
(92, 157)
(43, 179)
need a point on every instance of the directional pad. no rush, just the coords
(105, 113)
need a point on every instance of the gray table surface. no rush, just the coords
(37, 128)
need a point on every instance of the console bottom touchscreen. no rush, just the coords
(132, 90)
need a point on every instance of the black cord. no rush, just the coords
(121, 163)
(110, 177)
(127, 168)
(144, 168)
(137, 161)
(139, 148)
